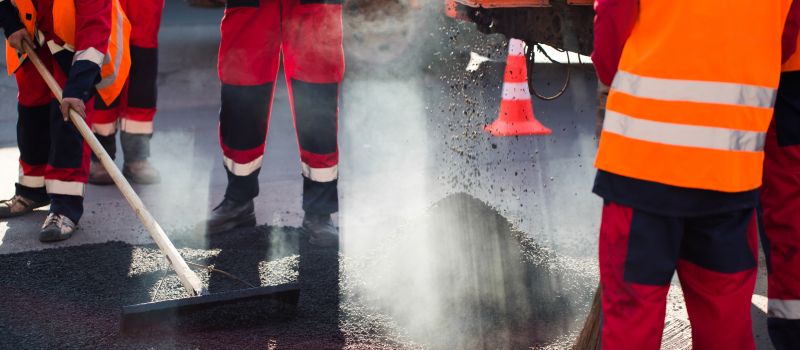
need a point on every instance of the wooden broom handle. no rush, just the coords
(187, 277)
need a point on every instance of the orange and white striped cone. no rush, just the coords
(516, 109)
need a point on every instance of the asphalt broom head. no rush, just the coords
(589, 338)
(240, 305)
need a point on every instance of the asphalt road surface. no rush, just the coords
(451, 238)
(71, 297)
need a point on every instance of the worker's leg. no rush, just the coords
(67, 166)
(33, 139)
(105, 124)
(638, 255)
(780, 199)
(105, 129)
(248, 65)
(140, 107)
(717, 271)
(314, 64)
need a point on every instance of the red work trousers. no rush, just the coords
(136, 106)
(308, 35)
(53, 154)
(715, 257)
(780, 201)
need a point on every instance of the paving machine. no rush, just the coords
(563, 24)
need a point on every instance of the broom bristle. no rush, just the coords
(589, 338)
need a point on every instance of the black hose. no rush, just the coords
(531, 58)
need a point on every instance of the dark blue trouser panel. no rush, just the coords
(714, 257)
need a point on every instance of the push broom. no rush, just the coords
(134, 316)
(589, 337)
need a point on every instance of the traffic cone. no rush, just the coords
(516, 109)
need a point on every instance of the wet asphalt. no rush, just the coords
(72, 297)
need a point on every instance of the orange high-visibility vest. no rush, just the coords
(793, 64)
(692, 100)
(27, 15)
(115, 64)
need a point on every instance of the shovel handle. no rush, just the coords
(187, 277)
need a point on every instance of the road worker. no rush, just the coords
(255, 35)
(134, 110)
(680, 161)
(780, 200)
(74, 44)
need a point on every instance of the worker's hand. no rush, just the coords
(72, 103)
(602, 96)
(17, 38)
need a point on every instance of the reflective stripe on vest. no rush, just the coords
(114, 65)
(116, 72)
(694, 91)
(683, 135)
(685, 110)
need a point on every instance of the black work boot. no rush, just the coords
(229, 215)
(98, 175)
(320, 229)
(141, 172)
(57, 227)
(19, 205)
(136, 150)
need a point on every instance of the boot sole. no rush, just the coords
(139, 181)
(248, 221)
(323, 243)
(57, 238)
(102, 180)
(320, 242)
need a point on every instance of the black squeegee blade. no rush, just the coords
(143, 316)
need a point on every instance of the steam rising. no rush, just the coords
(429, 272)
(422, 264)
